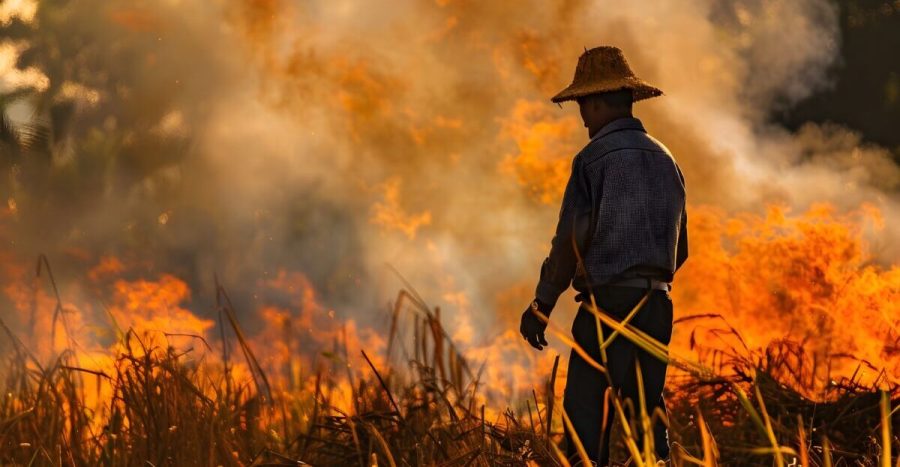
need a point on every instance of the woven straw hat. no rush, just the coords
(604, 69)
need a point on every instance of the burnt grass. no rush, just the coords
(163, 408)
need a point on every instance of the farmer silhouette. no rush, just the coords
(622, 234)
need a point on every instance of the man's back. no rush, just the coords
(637, 199)
(624, 207)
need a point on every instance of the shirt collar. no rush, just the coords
(625, 123)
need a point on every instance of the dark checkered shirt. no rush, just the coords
(624, 211)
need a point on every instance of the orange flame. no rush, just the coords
(808, 278)
(541, 164)
(390, 214)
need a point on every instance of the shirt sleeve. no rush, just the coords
(559, 267)
(681, 252)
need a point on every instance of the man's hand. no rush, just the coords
(533, 327)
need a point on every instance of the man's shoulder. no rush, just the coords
(659, 144)
(621, 142)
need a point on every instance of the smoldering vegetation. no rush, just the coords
(237, 137)
(420, 404)
(159, 153)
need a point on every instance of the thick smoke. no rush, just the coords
(336, 138)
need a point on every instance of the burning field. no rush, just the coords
(210, 208)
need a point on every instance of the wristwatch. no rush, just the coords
(535, 306)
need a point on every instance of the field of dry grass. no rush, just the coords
(157, 406)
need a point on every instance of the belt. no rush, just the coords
(642, 283)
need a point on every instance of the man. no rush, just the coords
(622, 234)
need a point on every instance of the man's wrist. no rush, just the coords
(538, 305)
(546, 294)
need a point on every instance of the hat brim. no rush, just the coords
(640, 89)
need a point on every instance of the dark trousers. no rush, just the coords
(585, 385)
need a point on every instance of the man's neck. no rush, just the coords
(600, 125)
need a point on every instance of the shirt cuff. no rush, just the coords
(547, 294)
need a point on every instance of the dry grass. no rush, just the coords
(164, 408)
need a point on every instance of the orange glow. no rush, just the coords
(390, 214)
(808, 278)
(154, 307)
(135, 19)
(542, 163)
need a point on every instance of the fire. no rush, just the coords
(154, 307)
(432, 128)
(390, 214)
(808, 278)
(303, 341)
(541, 164)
